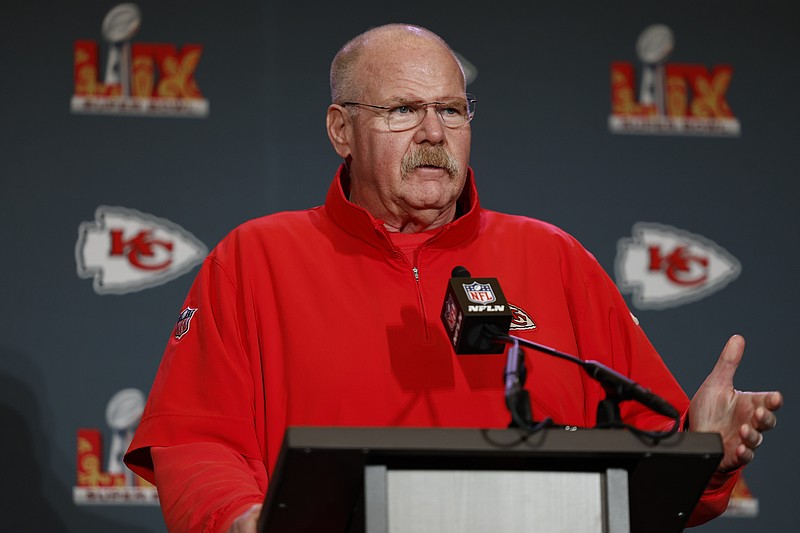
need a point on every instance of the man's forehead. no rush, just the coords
(405, 72)
(413, 99)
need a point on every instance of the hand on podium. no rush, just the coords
(246, 522)
(739, 417)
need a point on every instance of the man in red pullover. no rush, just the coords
(330, 316)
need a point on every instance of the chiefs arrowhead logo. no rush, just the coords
(666, 267)
(125, 250)
(520, 319)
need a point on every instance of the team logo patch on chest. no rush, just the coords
(520, 319)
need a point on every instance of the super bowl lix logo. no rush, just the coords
(140, 78)
(673, 98)
(666, 267)
(115, 484)
(125, 250)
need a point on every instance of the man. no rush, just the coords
(330, 316)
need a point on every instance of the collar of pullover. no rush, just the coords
(359, 223)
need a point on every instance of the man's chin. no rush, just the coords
(431, 195)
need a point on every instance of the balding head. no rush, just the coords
(345, 80)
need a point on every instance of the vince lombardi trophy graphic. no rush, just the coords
(119, 26)
(123, 412)
(653, 47)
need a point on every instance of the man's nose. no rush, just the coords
(431, 128)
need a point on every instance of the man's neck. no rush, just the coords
(420, 221)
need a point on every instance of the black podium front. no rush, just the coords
(335, 479)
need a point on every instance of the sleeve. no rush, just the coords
(609, 332)
(205, 410)
(205, 486)
(715, 498)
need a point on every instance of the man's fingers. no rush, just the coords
(768, 422)
(765, 419)
(774, 401)
(745, 454)
(751, 437)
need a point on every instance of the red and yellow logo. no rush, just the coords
(115, 484)
(673, 98)
(139, 78)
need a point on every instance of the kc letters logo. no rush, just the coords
(115, 484)
(666, 267)
(125, 250)
(673, 98)
(154, 79)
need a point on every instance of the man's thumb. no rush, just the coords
(728, 362)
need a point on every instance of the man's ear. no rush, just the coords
(339, 125)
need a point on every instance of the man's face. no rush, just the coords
(419, 71)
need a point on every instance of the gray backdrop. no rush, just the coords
(542, 147)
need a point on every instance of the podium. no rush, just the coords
(399, 480)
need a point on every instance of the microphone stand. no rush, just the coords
(608, 415)
(517, 398)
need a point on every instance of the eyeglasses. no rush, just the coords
(403, 116)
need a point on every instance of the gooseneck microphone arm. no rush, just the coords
(617, 387)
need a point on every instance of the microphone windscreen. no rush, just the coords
(461, 272)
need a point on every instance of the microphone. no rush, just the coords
(624, 388)
(475, 311)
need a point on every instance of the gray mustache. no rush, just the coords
(435, 156)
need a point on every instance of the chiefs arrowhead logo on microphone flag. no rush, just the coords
(665, 267)
(520, 319)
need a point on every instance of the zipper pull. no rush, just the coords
(415, 270)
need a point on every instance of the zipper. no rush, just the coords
(422, 310)
(415, 274)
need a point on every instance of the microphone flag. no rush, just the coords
(474, 310)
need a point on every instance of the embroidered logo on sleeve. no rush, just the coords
(184, 322)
